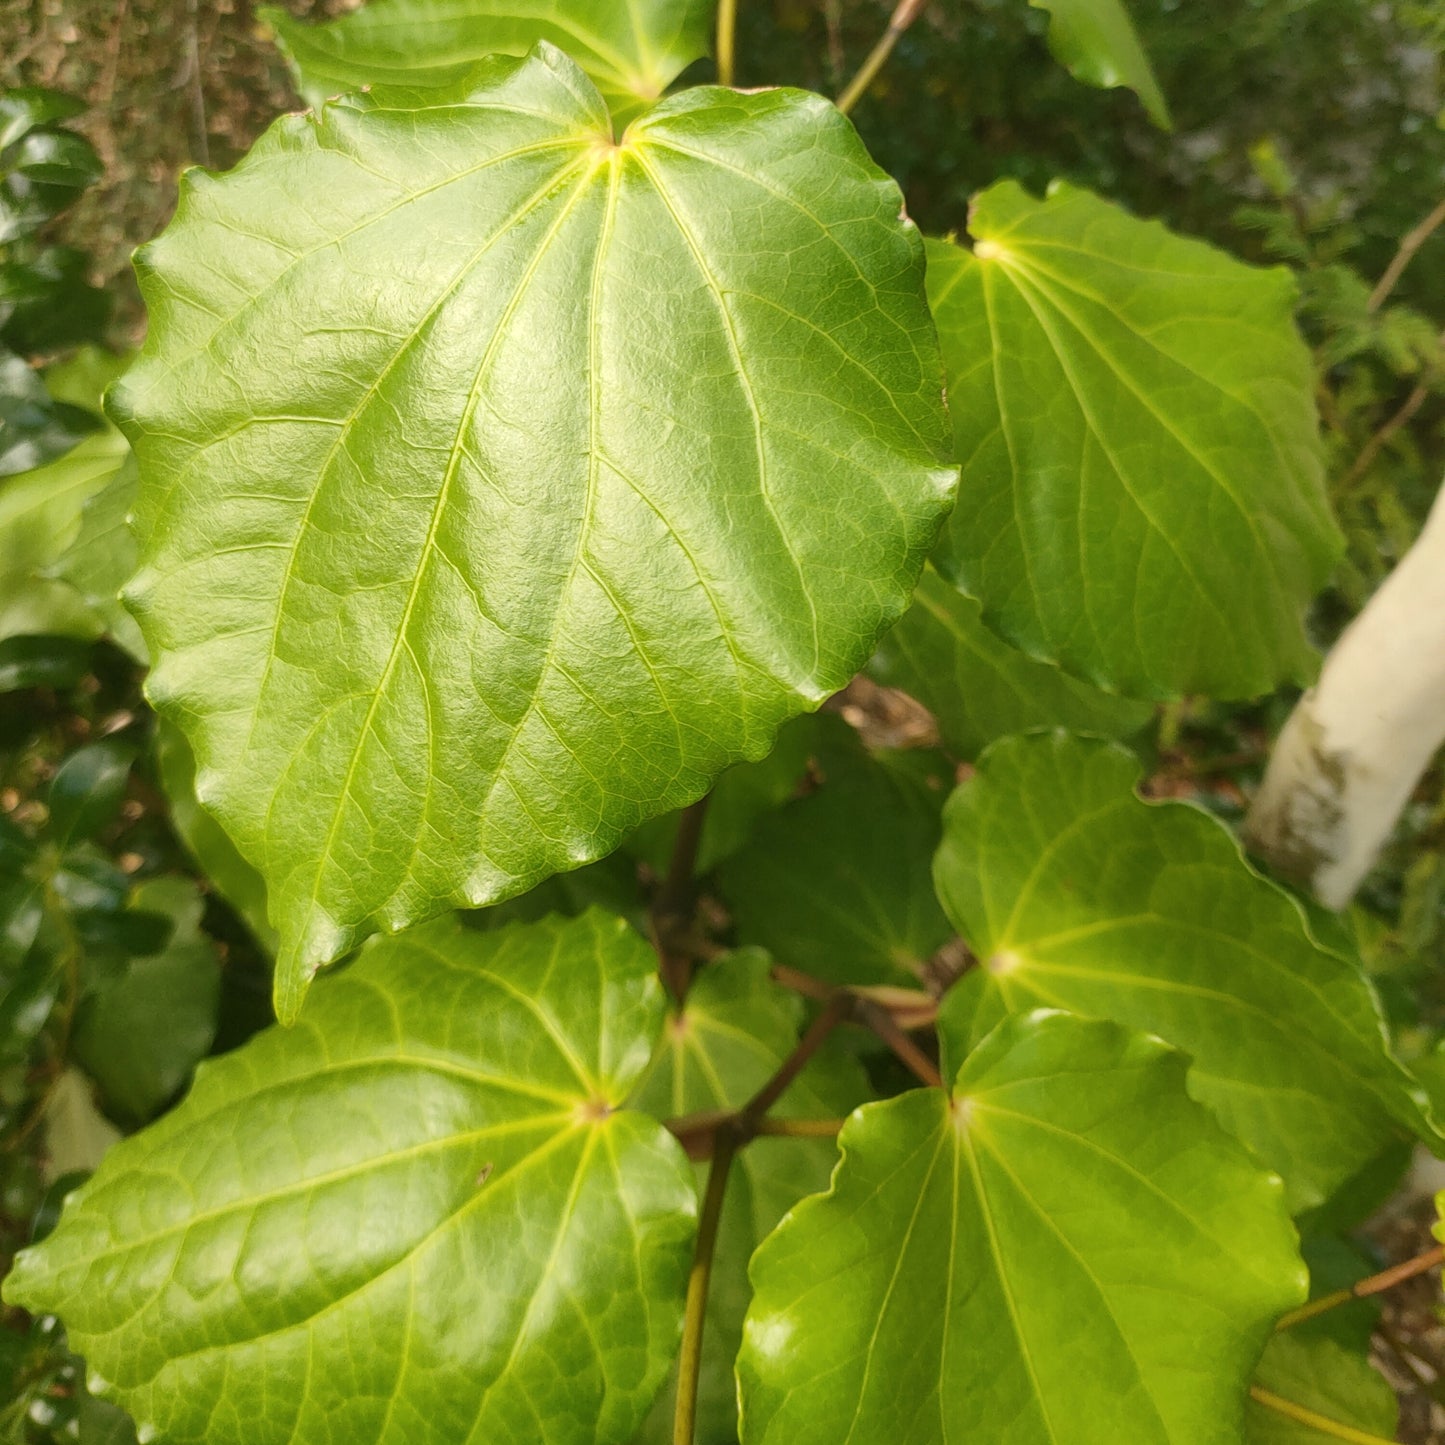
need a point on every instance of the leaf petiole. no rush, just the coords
(903, 16)
(1333, 1428)
(727, 24)
(1362, 1289)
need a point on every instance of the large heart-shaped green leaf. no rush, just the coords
(730, 1039)
(978, 688)
(519, 482)
(633, 51)
(1097, 41)
(1075, 893)
(1068, 1251)
(1135, 416)
(419, 1216)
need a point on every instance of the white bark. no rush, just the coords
(1359, 740)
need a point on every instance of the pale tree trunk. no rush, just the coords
(1359, 740)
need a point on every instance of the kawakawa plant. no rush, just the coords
(523, 453)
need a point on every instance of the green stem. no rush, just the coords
(903, 16)
(727, 27)
(689, 1363)
(1322, 1423)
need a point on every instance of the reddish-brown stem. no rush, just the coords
(700, 1134)
(672, 909)
(728, 1134)
(882, 1024)
(1361, 1289)
(879, 1010)
(834, 1012)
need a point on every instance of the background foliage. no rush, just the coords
(133, 941)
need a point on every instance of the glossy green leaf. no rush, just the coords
(34, 428)
(48, 304)
(102, 558)
(43, 167)
(1075, 893)
(632, 51)
(1069, 1251)
(142, 1028)
(1134, 412)
(1097, 41)
(837, 883)
(420, 1216)
(508, 491)
(42, 661)
(26, 107)
(978, 688)
(736, 1030)
(86, 792)
(100, 1423)
(40, 511)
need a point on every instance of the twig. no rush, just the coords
(701, 1134)
(906, 12)
(1401, 418)
(689, 1362)
(882, 1024)
(1404, 1358)
(883, 1010)
(1409, 244)
(727, 27)
(837, 1009)
(1363, 1288)
(1322, 1423)
(803, 983)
